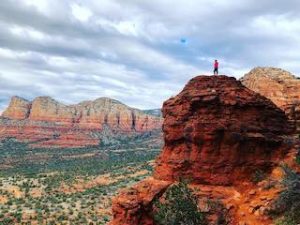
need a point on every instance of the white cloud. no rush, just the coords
(76, 50)
(26, 32)
(81, 13)
(7, 53)
(41, 5)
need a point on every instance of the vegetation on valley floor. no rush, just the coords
(18, 158)
(66, 186)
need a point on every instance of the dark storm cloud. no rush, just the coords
(132, 50)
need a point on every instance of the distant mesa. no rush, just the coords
(71, 125)
(19, 108)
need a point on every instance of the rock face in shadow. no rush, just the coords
(217, 133)
(51, 123)
(282, 87)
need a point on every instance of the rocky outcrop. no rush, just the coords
(282, 87)
(18, 109)
(133, 206)
(54, 124)
(217, 134)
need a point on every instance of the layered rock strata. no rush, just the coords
(51, 123)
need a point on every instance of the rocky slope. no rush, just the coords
(50, 123)
(217, 134)
(282, 87)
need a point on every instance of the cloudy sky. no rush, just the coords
(140, 52)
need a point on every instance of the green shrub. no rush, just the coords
(258, 176)
(18, 216)
(285, 221)
(298, 159)
(106, 218)
(179, 207)
(7, 221)
(288, 203)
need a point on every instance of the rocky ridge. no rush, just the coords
(217, 134)
(282, 87)
(51, 123)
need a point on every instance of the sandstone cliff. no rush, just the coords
(217, 134)
(282, 87)
(18, 109)
(217, 131)
(54, 124)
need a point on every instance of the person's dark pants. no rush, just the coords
(216, 71)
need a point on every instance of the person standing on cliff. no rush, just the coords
(216, 67)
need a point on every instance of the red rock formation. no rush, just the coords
(133, 206)
(53, 124)
(280, 86)
(217, 133)
(18, 109)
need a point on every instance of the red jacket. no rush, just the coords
(216, 65)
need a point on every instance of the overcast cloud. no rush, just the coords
(139, 52)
